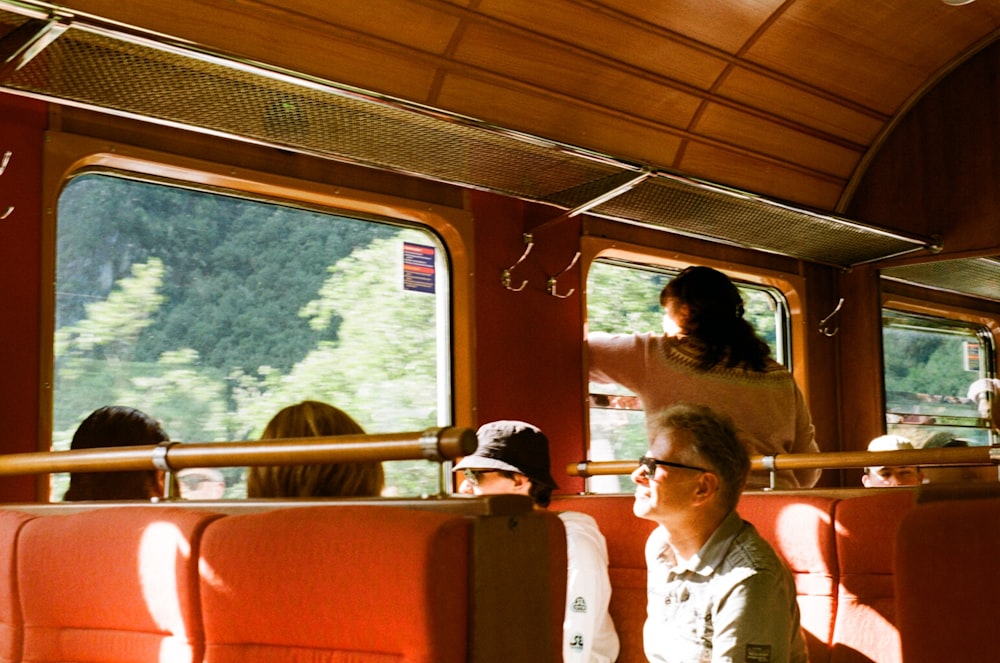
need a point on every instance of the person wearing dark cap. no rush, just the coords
(513, 458)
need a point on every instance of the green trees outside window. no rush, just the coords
(211, 312)
(929, 364)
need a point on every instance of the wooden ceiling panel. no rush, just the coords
(722, 24)
(759, 175)
(778, 141)
(546, 66)
(615, 38)
(561, 120)
(801, 105)
(876, 54)
(419, 25)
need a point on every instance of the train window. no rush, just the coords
(624, 297)
(211, 311)
(930, 363)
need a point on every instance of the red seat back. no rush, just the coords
(115, 584)
(865, 630)
(336, 583)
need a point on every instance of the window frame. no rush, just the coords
(68, 155)
(930, 309)
(790, 286)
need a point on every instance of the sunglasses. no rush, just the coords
(650, 465)
(473, 476)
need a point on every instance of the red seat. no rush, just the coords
(865, 630)
(11, 627)
(800, 529)
(947, 581)
(336, 583)
(113, 584)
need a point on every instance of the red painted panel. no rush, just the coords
(529, 344)
(22, 122)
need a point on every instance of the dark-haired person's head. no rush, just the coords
(116, 426)
(704, 304)
(314, 419)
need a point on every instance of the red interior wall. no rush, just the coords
(529, 344)
(22, 122)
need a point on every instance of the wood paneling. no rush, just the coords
(801, 105)
(779, 141)
(876, 54)
(551, 68)
(722, 24)
(937, 173)
(20, 285)
(614, 134)
(859, 366)
(769, 177)
(823, 361)
(613, 37)
(529, 344)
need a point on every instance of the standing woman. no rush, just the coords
(710, 355)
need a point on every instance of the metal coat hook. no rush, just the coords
(505, 275)
(552, 282)
(618, 187)
(6, 160)
(824, 328)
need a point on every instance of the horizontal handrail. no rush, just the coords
(831, 460)
(434, 444)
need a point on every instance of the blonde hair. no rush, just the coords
(314, 419)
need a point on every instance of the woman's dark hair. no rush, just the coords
(715, 318)
(115, 426)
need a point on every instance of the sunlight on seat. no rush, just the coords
(162, 549)
(790, 521)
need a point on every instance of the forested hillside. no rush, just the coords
(212, 312)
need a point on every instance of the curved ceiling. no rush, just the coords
(741, 121)
(783, 99)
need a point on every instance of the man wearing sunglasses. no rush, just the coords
(513, 457)
(717, 591)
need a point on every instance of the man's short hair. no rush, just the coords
(713, 439)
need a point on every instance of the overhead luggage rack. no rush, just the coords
(972, 276)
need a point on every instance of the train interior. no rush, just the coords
(175, 173)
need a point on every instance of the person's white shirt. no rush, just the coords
(588, 633)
